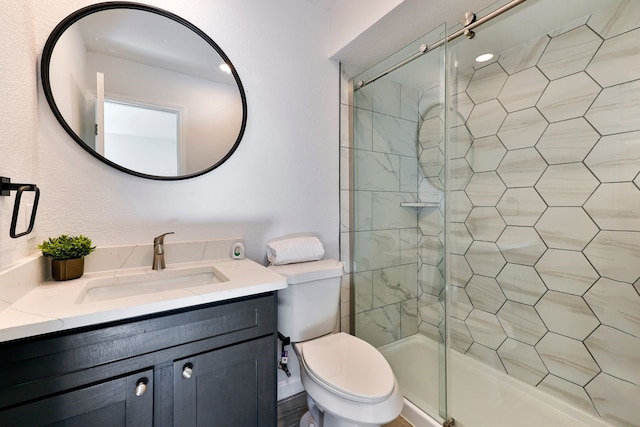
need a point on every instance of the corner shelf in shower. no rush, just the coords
(420, 204)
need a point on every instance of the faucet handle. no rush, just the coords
(159, 240)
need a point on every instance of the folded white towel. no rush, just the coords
(295, 249)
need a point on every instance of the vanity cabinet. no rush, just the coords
(209, 365)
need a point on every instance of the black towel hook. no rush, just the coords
(6, 187)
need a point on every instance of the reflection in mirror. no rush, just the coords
(144, 90)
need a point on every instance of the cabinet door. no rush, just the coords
(126, 401)
(232, 386)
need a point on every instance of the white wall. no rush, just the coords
(282, 179)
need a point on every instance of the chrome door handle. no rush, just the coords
(141, 387)
(187, 371)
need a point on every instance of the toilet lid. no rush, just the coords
(349, 365)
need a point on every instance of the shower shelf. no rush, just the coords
(420, 204)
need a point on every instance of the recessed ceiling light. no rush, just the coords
(225, 68)
(484, 57)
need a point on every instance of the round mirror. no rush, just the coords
(143, 90)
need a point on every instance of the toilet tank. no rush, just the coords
(308, 307)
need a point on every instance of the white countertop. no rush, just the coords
(54, 306)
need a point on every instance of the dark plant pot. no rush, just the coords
(67, 269)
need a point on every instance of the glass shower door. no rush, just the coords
(398, 260)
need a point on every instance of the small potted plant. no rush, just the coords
(67, 255)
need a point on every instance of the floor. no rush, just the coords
(291, 410)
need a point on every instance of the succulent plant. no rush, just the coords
(66, 247)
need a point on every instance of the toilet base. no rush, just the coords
(314, 417)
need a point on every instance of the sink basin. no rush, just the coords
(148, 282)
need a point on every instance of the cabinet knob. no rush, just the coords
(141, 387)
(187, 371)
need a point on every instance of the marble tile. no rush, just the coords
(486, 355)
(460, 79)
(485, 329)
(485, 293)
(345, 251)
(461, 339)
(615, 206)
(429, 331)
(616, 157)
(566, 228)
(409, 98)
(612, 21)
(571, 25)
(431, 161)
(431, 133)
(569, 53)
(485, 189)
(567, 315)
(460, 174)
(485, 258)
(376, 171)
(569, 184)
(617, 61)
(566, 271)
(430, 190)
(345, 126)
(616, 304)
(617, 109)
(521, 168)
(568, 97)
(431, 103)
(567, 142)
(522, 90)
(486, 83)
(345, 295)
(387, 212)
(460, 304)
(430, 250)
(521, 283)
(486, 119)
(429, 307)
(614, 254)
(616, 352)
(616, 400)
(362, 210)
(458, 206)
(459, 142)
(408, 245)
(569, 392)
(521, 206)
(459, 238)
(430, 279)
(345, 210)
(485, 223)
(460, 108)
(362, 129)
(522, 361)
(363, 291)
(523, 56)
(380, 326)
(485, 154)
(459, 270)
(386, 97)
(378, 249)
(346, 155)
(521, 322)
(430, 222)
(567, 358)
(408, 318)
(395, 284)
(522, 129)
(394, 135)
(521, 245)
(408, 174)
(363, 98)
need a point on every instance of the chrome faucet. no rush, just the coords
(158, 252)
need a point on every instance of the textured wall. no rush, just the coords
(282, 179)
(545, 157)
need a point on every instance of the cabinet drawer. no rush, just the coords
(30, 363)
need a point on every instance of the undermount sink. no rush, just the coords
(148, 282)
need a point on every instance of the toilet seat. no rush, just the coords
(349, 367)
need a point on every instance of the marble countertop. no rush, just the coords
(56, 306)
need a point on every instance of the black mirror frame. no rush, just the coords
(81, 13)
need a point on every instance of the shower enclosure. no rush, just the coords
(494, 217)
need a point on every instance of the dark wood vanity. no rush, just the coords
(208, 365)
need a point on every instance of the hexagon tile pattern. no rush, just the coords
(548, 217)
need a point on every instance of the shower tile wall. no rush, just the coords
(385, 174)
(545, 214)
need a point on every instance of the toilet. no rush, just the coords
(348, 381)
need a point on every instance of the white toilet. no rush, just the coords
(348, 382)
